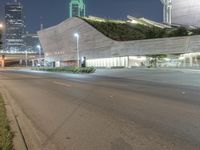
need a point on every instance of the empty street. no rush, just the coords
(93, 112)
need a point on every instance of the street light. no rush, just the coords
(1, 29)
(1, 43)
(39, 48)
(26, 53)
(77, 47)
(1, 26)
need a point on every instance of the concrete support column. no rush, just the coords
(126, 62)
(184, 62)
(20, 62)
(191, 61)
(196, 60)
(129, 62)
(33, 63)
(2, 61)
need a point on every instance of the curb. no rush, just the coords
(26, 136)
(18, 140)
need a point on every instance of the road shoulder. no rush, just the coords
(18, 141)
(25, 134)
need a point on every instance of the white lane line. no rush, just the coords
(76, 80)
(3, 77)
(114, 84)
(63, 84)
(101, 83)
(183, 92)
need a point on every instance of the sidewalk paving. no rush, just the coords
(175, 76)
(190, 77)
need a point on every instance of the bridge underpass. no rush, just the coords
(7, 60)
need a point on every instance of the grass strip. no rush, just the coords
(6, 136)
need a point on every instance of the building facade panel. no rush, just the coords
(186, 12)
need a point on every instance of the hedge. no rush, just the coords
(67, 69)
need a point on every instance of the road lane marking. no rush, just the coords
(75, 80)
(3, 77)
(62, 84)
(28, 76)
(114, 84)
(183, 93)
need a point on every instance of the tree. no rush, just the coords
(154, 59)
(181, 31)
(195, 31)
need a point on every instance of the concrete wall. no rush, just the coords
(186, 12)
(59, 43)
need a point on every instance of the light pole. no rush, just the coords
(26, 53)
(1, 44)
(39, 48)
(77, 47)
(1, 32)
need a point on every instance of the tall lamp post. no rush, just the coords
(1, 44)
(26, 53)
(1, 32)
(77, 36)
(39, 48)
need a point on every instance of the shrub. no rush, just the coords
(181, 31)
(195, 31)
(122, 31)
(67, 69)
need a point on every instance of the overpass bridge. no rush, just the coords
(20, 59)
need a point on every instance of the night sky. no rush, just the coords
(53, 12)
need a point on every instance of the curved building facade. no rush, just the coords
(60, 47)
(186, 12)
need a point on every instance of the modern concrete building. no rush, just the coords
(60, 48)
(182, 12)
(15, 27)
(77, 8)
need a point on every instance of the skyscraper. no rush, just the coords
(167, 11)
(15, 27)
(77, 8)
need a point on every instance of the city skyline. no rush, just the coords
(129, 7)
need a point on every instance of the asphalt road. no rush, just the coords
(89, 112)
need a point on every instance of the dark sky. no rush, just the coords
(55, 11)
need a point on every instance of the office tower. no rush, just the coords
(15, 27)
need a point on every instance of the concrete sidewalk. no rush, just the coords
(188, 77)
